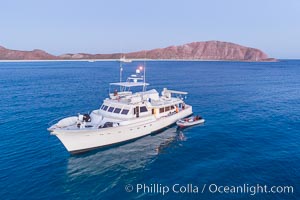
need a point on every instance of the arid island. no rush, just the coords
(209, 50)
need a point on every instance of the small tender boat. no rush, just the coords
(190, 121)
(125, 60)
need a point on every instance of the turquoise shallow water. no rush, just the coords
(251, 135)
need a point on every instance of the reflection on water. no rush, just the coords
(105, 172)
(179, 136)
(133, 155)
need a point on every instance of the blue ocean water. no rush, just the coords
(251, 134)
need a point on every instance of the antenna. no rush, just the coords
(144, 86)
(121, 71)
(121, 67)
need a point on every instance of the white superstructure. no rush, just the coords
(124, 116)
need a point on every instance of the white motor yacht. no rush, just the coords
(123, 116)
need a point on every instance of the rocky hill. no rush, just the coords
(210, 50)
(7, 54)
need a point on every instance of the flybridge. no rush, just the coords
(138, 80)
(135, 80)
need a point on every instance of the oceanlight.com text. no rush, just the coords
(161, 189)
(250, 189)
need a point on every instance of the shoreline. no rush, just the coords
(133, 60)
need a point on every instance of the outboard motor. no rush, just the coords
(86, 118)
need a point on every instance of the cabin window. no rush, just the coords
(167, 108)
(105, 108)
(124, 111)
(101, 107)
(143, 109)
(117, 110)
(161, 110)
(110, 109)
(172, 107)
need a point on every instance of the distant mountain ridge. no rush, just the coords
(209, 50)
(7, 54)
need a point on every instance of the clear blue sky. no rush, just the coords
(106, 26)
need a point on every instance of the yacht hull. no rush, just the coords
(78, 141)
